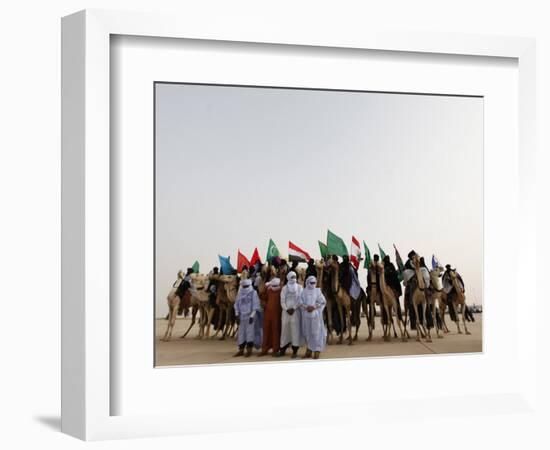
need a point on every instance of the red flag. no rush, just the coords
(295, 253)
(255, 257)
(242, 261)
(355, 252)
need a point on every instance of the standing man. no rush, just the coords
(291, 327)
(247, 305)
(312, 303)
(272, 318)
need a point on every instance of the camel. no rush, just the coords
(436, 294)
(200, 304)
(301, 276)
(418, 298)
(390, 304)
(458, 298)
(173, 305)
(226, 293)
(343, 302)
(373, 296)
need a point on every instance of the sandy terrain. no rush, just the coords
(208, 351)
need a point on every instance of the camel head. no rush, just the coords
(199, 280)
(180, 274)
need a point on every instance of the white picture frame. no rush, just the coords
(86, 245)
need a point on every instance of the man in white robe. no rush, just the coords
(312, 303)
(291, 326)
(247, 306)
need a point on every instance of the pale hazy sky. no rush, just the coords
(236, 166)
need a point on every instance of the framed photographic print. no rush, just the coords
(248, 207)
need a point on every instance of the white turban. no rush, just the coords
(311, 282)
(291, 276)
(246, 282)
(274, 282)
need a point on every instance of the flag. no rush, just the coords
(242, 261)
(272, 251)
(335, 245)
(400, 265)
(355, 252)
(435, 262)
(225, 265)
(323, 249)
(367, 256)
(195, 267)
(295, 253)
(255, 257)
(382, 254)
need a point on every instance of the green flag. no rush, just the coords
(335, 245)
(272, 251)
(195, 267)
(323, 249)
(367, 256)
(382, 254)
(400, 266)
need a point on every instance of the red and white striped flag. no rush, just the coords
(295, 253)
(355, 252)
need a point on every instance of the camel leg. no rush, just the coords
(435, 314)
(193, 316)
(392, 322)
(341, 335)
(170, 325)
(402, 329)
(415, 312)
(442, 309)
(457, 318)
(464, 319)
(370, 318)
(357, 312)
(329, 320)
(425, 323)
(219, 324)
(348, 322)
(389, 323)
(209, 314)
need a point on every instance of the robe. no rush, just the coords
(313, 326)
(247, 305)
(291, 326)
(272, 320)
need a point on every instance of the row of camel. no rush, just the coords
(423, 298)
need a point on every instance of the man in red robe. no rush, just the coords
(272, 318)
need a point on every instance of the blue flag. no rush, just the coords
(225, 266)
(435, 262)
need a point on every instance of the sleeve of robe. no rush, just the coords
(320, 302)
(283, 298)
(255, 304)
(237, 306)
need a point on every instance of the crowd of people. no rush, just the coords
(288, 312)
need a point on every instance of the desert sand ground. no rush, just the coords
(213, 351)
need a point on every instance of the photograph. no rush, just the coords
(299, 224)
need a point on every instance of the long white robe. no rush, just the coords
(247, 305)
(291, 326)
(313, 326)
